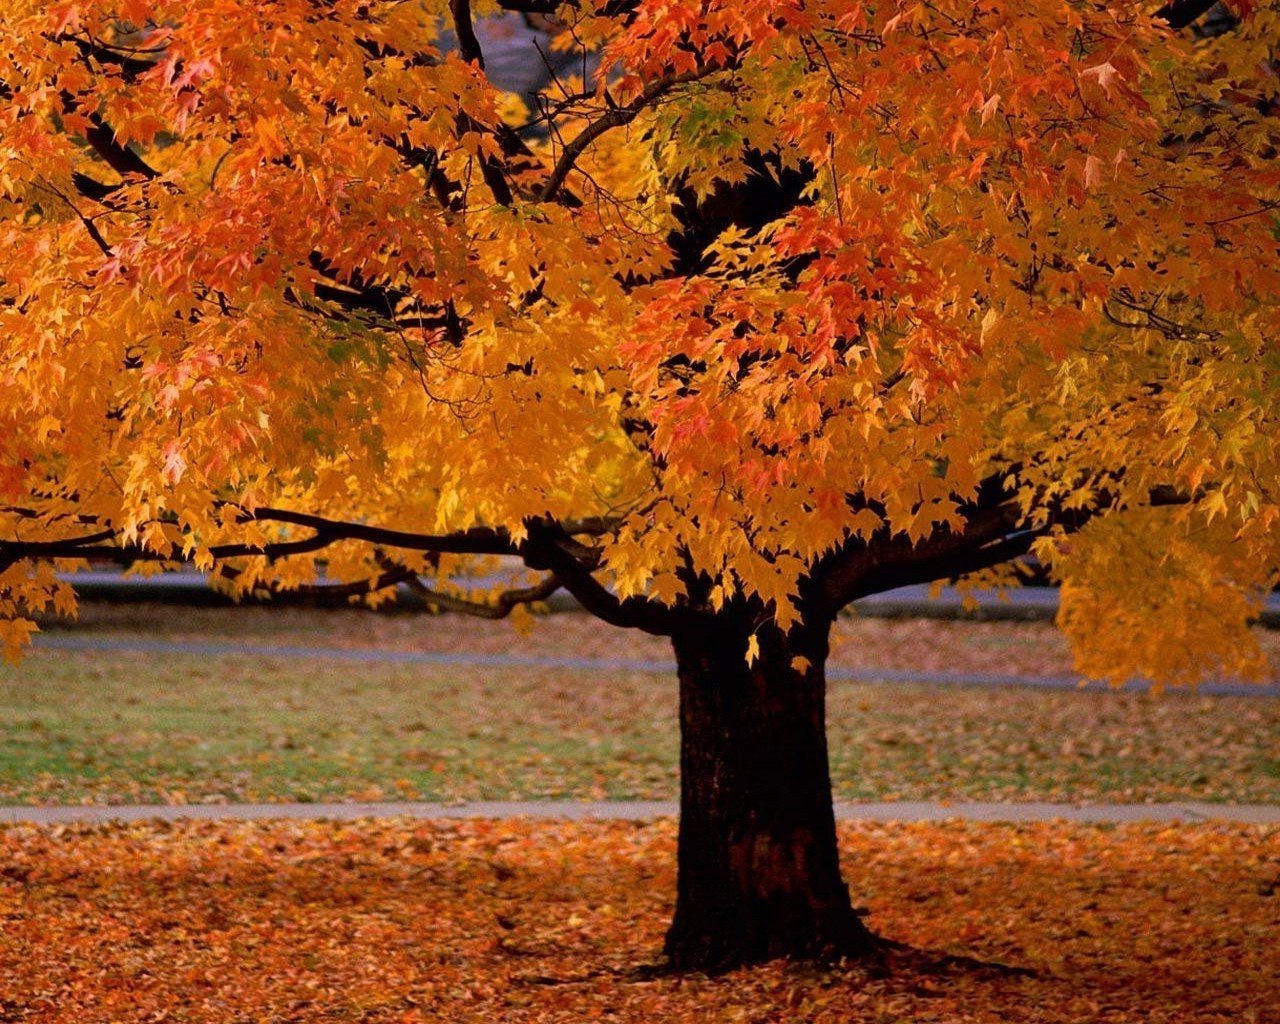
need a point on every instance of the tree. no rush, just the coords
(793, 301)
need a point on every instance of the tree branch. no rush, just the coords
(332, 591)
(994, 532)
(468, 44)
(102, 138)
(860, 567)
(943, 565)
(15, 550)
(614, 118)
(476, 541)
(1181, 13)
(553, 548)
(543, 550)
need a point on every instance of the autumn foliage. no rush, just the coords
(298, 256)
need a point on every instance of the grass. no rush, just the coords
(109, 727)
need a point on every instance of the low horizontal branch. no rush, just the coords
(550, 546)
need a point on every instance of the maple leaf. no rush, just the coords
(1104, 74)
(1092, 172)
(174, 463)
(990, 106)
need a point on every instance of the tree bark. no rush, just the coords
(759, 873)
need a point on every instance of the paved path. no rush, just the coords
(641, 810)
(1038, 603)
(80, 642)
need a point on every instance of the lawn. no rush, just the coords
(79, 726)
(400, 922)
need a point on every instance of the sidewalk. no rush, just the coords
(1185, 812)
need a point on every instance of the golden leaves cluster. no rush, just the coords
(289, 254)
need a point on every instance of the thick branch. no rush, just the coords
(468, 44)
(102, 137)
(994, 533)
(922, 567)
(861, 567)
(1181, 13)
(476, 541)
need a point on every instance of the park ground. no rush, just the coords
(118, 726)
(410, 921)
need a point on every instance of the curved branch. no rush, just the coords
(995, 531)
(861, 567)
(544, 550)
(14, 550)
(944, 565)
(615, 118)
(550, 547)
(92, 546)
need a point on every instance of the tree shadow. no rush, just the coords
(893, 960)
(898, 958)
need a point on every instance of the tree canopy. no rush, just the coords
(854, 293)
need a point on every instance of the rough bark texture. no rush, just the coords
(759, 876)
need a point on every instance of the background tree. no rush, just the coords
(794, 301)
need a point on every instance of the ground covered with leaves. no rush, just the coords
(478, 921)
(112, 727)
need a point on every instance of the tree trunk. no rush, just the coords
(759, 875)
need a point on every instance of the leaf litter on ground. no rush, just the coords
(482, 921)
